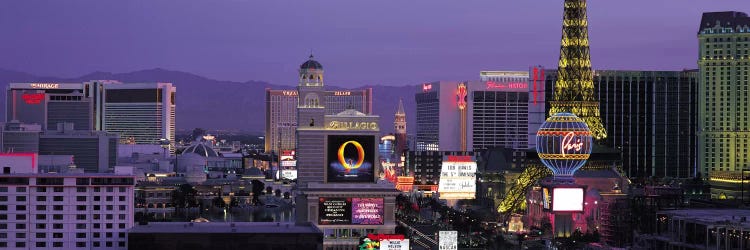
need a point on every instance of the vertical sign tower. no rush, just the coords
(574, 89)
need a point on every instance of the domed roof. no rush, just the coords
(311, 64)
(351, 112)
(201, 149)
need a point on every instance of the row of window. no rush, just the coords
(62, 189)
(60, 226)
(60, 208)
(58, 244)
(60, 235)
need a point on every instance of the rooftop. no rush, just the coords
(713, 216)
(225, 227)
(724, 19)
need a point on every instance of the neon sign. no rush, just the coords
(342, 93)
(33, 98)
(45, 85)
(353, 125)
(511, 85)
(568, 144)
(289, 93)
(461, 96)
(360, 156)
(459, 158)
(426, 87)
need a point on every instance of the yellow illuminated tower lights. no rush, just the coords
(574, 89)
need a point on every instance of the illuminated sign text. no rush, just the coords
(511, 85)
(353, 125)
(45, 85)
(33, 98)
(568, 143)
(426, 87)
(289, 93)
(342, 93)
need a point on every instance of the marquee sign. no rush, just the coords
(44, 85)
(345, 125)
(564, 143)
(461, 94)
(509, 85)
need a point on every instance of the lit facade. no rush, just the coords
(651, 116)
(281, 113)
(47, 104)
(65, 211)
(338, 168)
(141, 113)
(724, 61)
(474, 115)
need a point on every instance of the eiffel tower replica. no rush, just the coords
(574, 89)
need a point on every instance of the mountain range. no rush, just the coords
(217, 105)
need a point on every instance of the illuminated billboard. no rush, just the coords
(350, 158)
(546, 198)
(335, 211)
(567, 199)
(458, 178)
(350, 211)
(384, 242)
(448, 240)
(289, 174)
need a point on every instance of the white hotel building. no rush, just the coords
(62, 211)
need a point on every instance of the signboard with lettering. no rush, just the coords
(350, 158)
(384, 242)
(350, 211)
(345, 125)
(448, 240)
(458, 178)
(335, 211)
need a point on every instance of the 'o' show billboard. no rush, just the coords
(350, 158)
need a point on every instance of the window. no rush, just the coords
(41, 207)
(110, 207)
(80, 226)
(3, 235)
(97, 235)
(20, 217)
(57, 244)
(97, 216)
(109, 225)
(97, 244)
(20, 207)
(121, 235)
(123, 207)
(20, 235)
(109, 216)
(122, 225)
(80, 244)
(3, 226)
(20, 198)
(57, 216)
(110, 189)
(80, 198)
(41, 226)
(97, 225)
(97, 207)
(122, 216)
(41, 244)
(57, 207)
(97, 198)
(109, 234)
(81, 189)
(20, 244)
(122, 189)
(57, 198)
(110, 198)
(57, 189)
(41, 198)
(122, 198)
(57, 226)
(121, 244)
(20, 226)
(57, 235)
(3, 207)
(3, 189)
(109, 244)
(81, 208)
(41, 235)
(41, 216)
(97, 189)
(3, 198)
(80, 235)
(80, 217)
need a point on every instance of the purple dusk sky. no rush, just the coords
(386, 42)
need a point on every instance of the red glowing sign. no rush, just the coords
(459, 158)
(461, 96)
(536, 77)
(510, 85)
(33, 98)
(426, 87)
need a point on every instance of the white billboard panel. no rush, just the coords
(567, 199)
(448, 240)
(458, 180)
(394, 244)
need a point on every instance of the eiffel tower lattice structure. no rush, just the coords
(574, 89)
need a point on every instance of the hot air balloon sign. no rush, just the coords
(564, 144)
